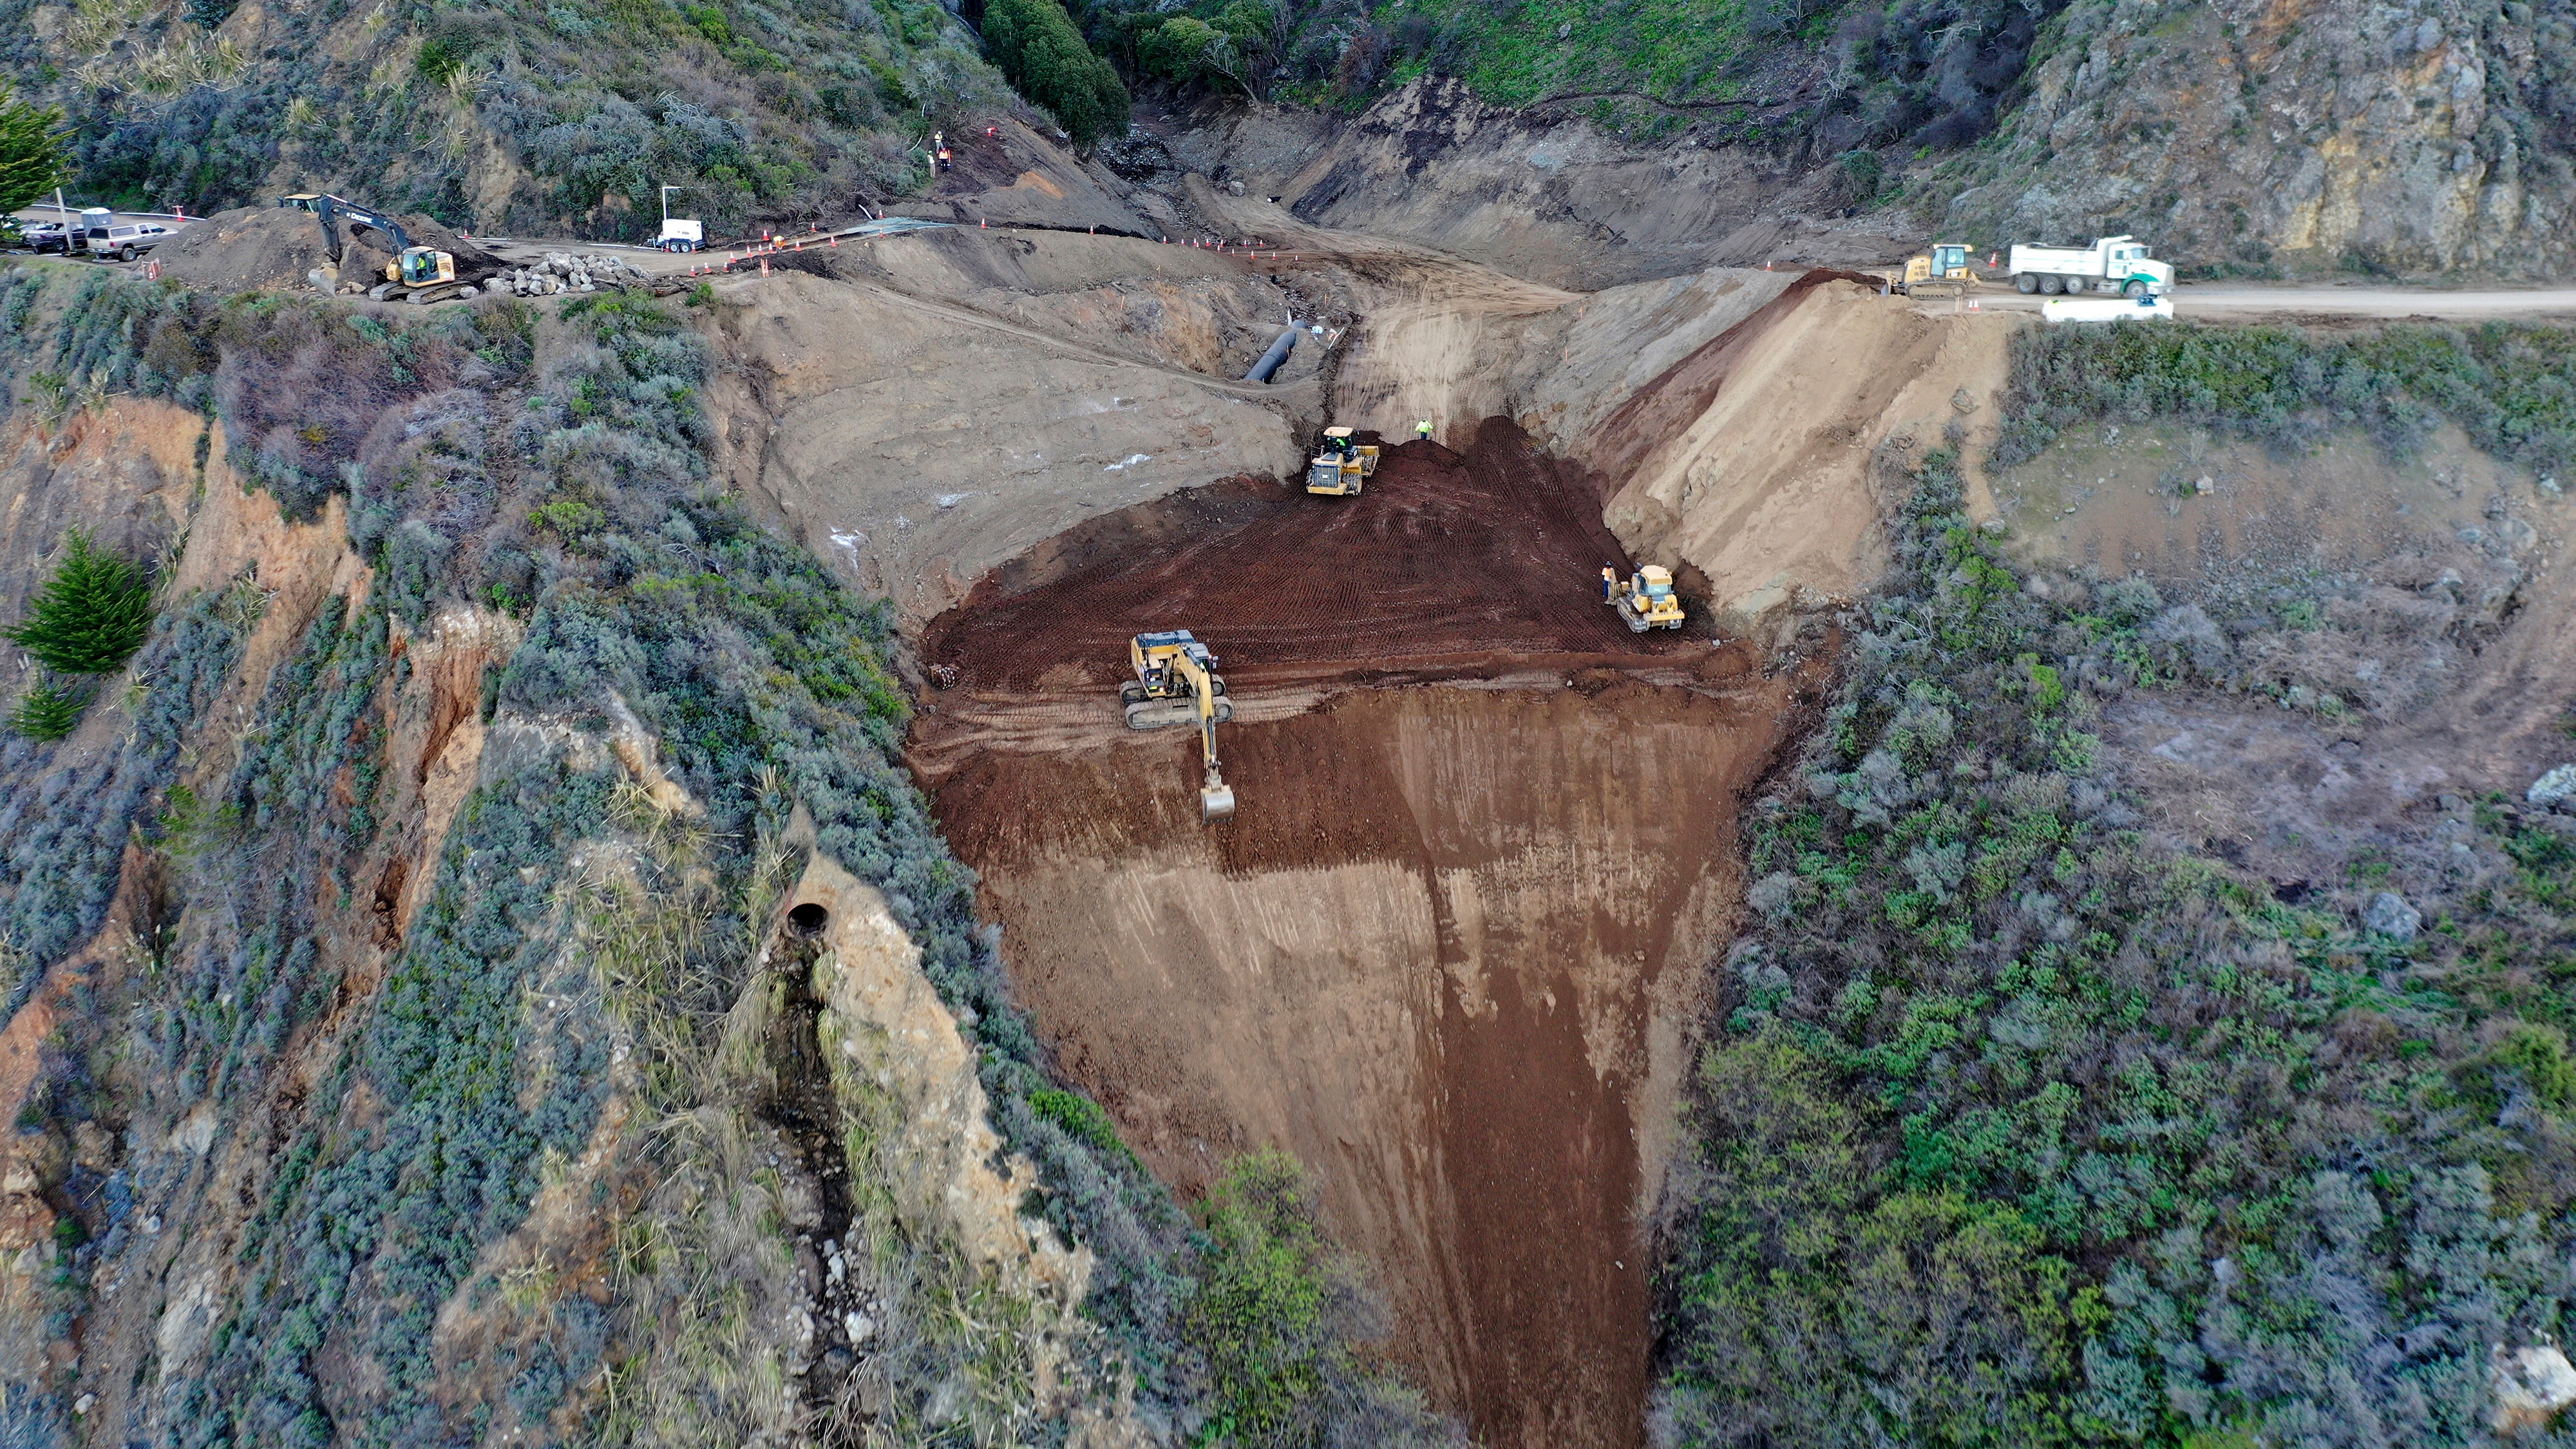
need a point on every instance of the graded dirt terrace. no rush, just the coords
(1450, 947)
(1446, 557)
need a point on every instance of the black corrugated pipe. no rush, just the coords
(1270, 360)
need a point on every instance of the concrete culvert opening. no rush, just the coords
(1449, 948)
(806, 921)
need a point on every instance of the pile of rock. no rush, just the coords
(567, 272)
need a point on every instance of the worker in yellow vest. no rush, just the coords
(1422, 430)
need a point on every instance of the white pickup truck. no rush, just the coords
(2112, 264)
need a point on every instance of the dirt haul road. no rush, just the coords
(1449, 950)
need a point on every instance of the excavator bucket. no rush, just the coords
(1216, 800)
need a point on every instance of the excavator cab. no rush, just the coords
(1176, 683)
(1646, 600)
(1342, 465)
(422, 267)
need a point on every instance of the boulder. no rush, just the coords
(2530, 1387)
(2556, 787)
(2389, 915)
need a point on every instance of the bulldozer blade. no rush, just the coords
(1216, 802)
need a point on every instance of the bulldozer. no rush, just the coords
(1342, 465)
(1645, 600)
(1945, 270)
(1176, 682)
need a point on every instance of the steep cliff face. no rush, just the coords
(497, 117)
(2249, 136)
(2294, 135)
(413, 1031)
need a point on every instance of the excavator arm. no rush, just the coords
(331, 210)
(1216, 798)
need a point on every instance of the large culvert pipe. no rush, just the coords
(1277, 354)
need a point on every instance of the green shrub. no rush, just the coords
(1038, 49)
(49, 710)
(1082, 1119)
(92, 614)
(2013, 1133)
(2510, 386)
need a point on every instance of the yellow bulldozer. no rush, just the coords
(1176, 683)
(1342, 466)
(1645, 600)
(1949, 269)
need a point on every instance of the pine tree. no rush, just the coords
(48, 711)
(92, 615)
(35, 150)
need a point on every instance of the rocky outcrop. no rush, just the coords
(2297, 136)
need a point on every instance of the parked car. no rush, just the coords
(46, 236)
(126, 240)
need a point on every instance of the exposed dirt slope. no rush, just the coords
(1446, 951)
(1539, 193)
(1448, 954)
(1015, 175)
(918, 443)
(2430, 598)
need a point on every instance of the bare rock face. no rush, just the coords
(2530, 1385)
(2309, 136)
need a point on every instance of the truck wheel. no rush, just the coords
(125, 254)
(2051, 286)
(2026, 283)
(2134, 290)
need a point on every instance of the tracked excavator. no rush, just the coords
(420, 275)
(1176, 682)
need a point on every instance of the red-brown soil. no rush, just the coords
(1451, 948)
(1444, 557)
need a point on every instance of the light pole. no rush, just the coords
(666, 205)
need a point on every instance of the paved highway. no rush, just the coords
(2212, 300)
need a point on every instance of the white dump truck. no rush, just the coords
(2112, 264)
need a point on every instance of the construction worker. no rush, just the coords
(1422, 430)
(1609, 582)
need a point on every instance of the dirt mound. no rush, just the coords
(1443, 556)
(269, 248)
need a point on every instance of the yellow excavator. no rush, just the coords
(1646, 600)
(1342, 465)
(1176, 682)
